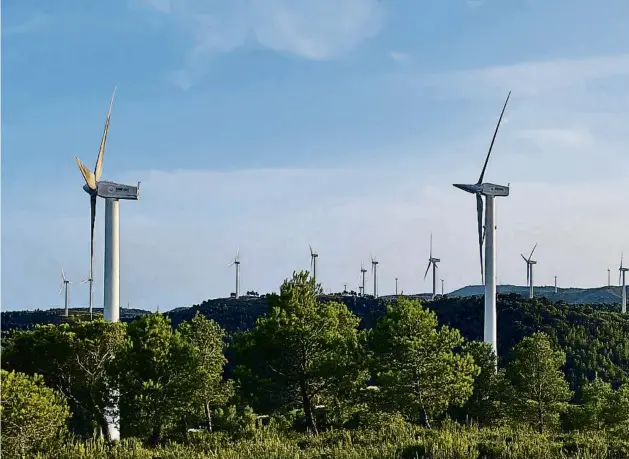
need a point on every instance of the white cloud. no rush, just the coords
(187, 225)
(319, 30)
(399, 56)
(34, 22)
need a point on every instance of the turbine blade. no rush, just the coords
(63, 275)
(311, 252)
(60, 290)
(98, 169)
(92, 225)
(431, 244)
(88, 175)
(85, 281)
(237, 253)
(229, 264)
(426, 273)
(534, 247)
(524, 258)
(479, 211)
(493, 139)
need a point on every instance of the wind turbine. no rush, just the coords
(362, 272)
(374, 271)
(529, 271)
(112, 193)
(64, 284)
(313, 263)
(432, 261)
(621, 275)
(555, 285)
(488, 236)
(609, 277)
(396, 286)
(237, 263)
(441, 287)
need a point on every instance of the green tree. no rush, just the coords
(486, 404)
(159, 375)
(303, 353)
(75, 359)
(597, 397)
(208, 339)
(32, 415)
(540, 390)
(415, 364)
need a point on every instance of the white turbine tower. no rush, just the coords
(313, 263)
(237, 263)
(529, 272)
(396, 286)
(555, 285)
(65, 284)
(112, 193)
(622, 281)
(609, 277)
(374, 271)
(362, 273)
(490, 191)
(432, 261)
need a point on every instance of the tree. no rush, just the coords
(77, 360)
(415, 365)
(485, 405)
(540, 390)
(208, 339)
(32, 415)
(159, 379)
(596, 397)
(303, 353)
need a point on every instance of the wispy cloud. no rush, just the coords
(399, 56)
(34, 22)
(321, 30)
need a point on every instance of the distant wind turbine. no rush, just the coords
(64, 284)
(622, 271)
(313, 263)
(374, 271)
(396, 286)
(555, 285)
(362, 273)
(441, 287)
(237, 263)
(432, 261)
(529, 271)
(609, 277)
(490, 191)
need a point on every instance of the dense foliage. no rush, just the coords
(301, 373)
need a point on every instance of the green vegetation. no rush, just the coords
(303, 375)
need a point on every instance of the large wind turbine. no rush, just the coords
(237, 263)
(65, 284)
(313, 263)
(432, 261)
(529, 272)
(490, 191)
(374, 271)
(112, 193)
(622, 270)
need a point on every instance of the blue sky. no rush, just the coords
(273, 124)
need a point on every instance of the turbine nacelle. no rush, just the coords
(112, 190)
(486, 189)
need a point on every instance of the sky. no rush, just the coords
(269, 125)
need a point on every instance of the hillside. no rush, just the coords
(598, 295)
(593, 336)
